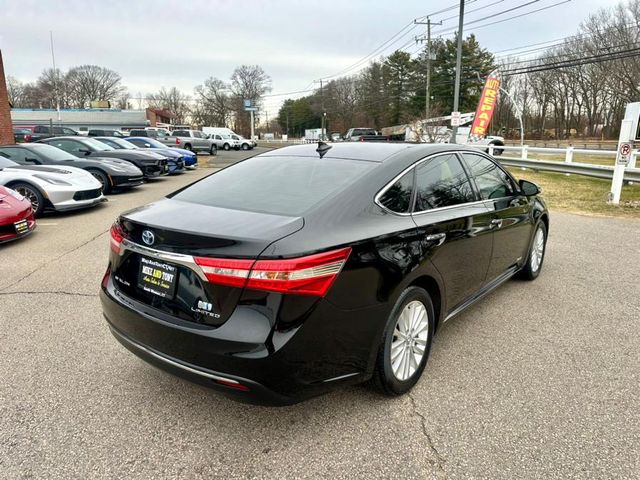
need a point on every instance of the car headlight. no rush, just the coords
(117, 169)
(52, 180)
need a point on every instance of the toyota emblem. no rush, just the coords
(148, 237)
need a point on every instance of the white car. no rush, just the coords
(225, 141)
(51, 187)
(245, 143)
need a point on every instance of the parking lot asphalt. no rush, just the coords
(538, 380)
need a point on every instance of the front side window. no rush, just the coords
(442, 182)
(491, 180)
(397, 197)
(16, 154)
(68, 146)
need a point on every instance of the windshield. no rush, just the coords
(5, 162)
(277, 185)
(153, 142)
(97, 145)
(122, 143)
(52, 153)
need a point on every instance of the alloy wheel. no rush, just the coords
(409, 342)
(31, 196)
(537, 250)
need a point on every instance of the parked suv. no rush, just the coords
(225, 142)
(193, 140)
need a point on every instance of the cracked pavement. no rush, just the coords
(538, 380)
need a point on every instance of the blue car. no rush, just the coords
(189, 157)
(175, 160)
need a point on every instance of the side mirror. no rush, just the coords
(86, 151)
(148, 145)
(33, 160)
(529, 188)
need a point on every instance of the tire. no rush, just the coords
(33, 194)
(245, 146)
(393, 375)
(103, 179)
(213, 150)
(188, 147)
(532, 268)
(226, 147)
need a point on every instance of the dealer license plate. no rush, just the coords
(157, 277)
(21, 227)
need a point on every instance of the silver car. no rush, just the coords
(58, 188)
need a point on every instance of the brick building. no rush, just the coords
(6, 129)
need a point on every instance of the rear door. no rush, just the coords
(510, 218)
(454, 227)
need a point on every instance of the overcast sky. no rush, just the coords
(181, 43)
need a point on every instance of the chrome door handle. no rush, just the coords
(496, 223)
(437, 237)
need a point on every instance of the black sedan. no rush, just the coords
(174, 159)
(112, 173)
(152, 165)
(282, 276)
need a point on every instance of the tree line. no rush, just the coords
(559, 98)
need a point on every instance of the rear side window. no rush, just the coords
(397, 197)
(277, 185)
(181, 133)
(442, 182)
(491, 180)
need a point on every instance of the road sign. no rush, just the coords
(250, 109)
(455, 119)
(624, 153)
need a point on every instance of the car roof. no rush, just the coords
(367, 151)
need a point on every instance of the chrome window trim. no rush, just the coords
(384, 189)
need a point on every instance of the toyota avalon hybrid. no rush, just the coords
(300, 269)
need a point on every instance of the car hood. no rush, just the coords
(166, 152)
(12, 204)
(112, 162)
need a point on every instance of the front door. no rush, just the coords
(510, 218)
(454, 227)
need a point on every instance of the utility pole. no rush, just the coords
(456, 93)
(55, 76)
(427, 103)
(323, 114)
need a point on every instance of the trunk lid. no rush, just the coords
(180, 231)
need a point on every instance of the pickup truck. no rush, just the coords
(364, 135)
(193, 140)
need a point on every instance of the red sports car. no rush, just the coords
(16, 215)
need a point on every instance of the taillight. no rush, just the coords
(27, 138)
(177, 141)
(117, 235)
(310, 275)
(224, 271)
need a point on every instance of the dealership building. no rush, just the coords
(84, 119)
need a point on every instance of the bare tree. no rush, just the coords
(172, 100)
(248, 82)
(87, 83)
(213, 105)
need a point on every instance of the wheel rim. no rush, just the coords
(99, 177)
(31, 196)
(537, 251)
(410, 337)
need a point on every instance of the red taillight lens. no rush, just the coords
(117, 235)
(27, 138)
(225, 271)
(311, 275)
(177, 141)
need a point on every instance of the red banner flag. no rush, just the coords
(486, 107)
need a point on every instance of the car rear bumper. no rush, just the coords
(276, 367)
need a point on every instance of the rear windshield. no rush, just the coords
(277, 185)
